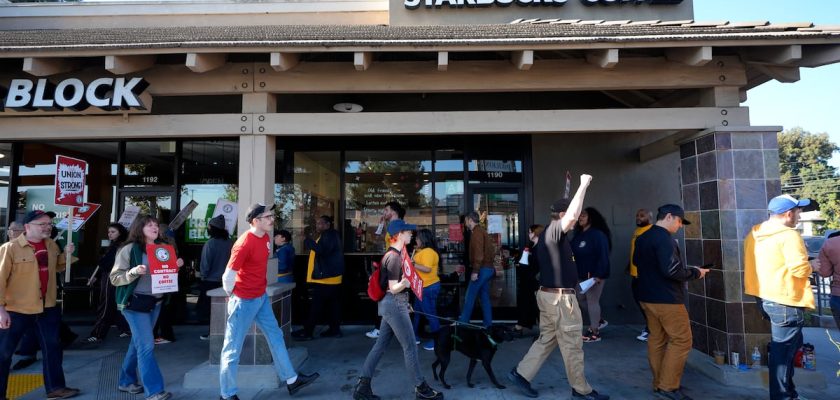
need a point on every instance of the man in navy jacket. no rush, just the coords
(324, 275)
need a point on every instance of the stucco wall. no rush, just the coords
(620, 186)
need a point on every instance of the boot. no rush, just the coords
(425, 392)
(363, 390)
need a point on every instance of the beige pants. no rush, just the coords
(560, 324)
(669, 343)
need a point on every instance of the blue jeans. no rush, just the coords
(241, 314)
(141, 352)
(786, 329)
(479, 287)
(43, 327)
(395, 323)
(835, 309)
(427, 306)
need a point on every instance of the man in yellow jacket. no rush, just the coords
(776, 272)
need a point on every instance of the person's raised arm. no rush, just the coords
(576, 205)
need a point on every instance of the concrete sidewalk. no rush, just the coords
(616, 366)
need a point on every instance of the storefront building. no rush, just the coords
(337, 107)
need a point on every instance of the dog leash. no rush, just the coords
(455, 324)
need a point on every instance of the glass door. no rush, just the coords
(156, 203)
(500, 209)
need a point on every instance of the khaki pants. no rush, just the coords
(669, 343)
(560, 324)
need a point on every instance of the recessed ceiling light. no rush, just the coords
(348, 107)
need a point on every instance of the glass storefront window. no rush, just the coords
(372, 179)
(449, 202)
(312, 191)
(149, 164)
(209, 172)
(5, 176)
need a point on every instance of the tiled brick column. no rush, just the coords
(255, 350)
(727, 176)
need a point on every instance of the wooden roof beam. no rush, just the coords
(362, 60)
(284, 61)
(443, 61)
(48, 66)
(121, 65)
(781, 74)
(693, 56)
(604, 58)
(773, 55)
(523, 60)
(817, 56)
(203, 62)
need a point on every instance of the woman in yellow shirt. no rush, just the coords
(426, 261)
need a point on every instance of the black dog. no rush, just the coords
(477, 344)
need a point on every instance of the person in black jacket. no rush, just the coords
(662, 294)
(107, 311)
(324, 275)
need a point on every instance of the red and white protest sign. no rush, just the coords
(411, 274)
(69, 181)
(83, 215)
(163, 268)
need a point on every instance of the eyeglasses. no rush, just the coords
(42, 224)
(271, 216)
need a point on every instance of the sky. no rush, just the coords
(811, 103)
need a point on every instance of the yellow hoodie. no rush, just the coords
(776, 266)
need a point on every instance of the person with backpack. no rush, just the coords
(394, 309)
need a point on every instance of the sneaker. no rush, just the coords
(24, 362)
(591, 337)
(234, 397)
(125, 334)
(363, 390)
(132, 388)
(522, 383)
(205, 336)
(93, 340)
(329, 333)
(643, 336)
(673, 395)
(301, 335)
(593, 395)
(161, 340)
(602, 324)
(417, 341)
(430, 345)
(160, 396)
(425, 392)
(373, 334)
(63, 393)
(302, 381)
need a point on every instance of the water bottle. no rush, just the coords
(756, 358)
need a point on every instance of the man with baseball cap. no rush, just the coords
(28, 266)
(777, 272)
(662, 293)
(560, 318)
(244, 281)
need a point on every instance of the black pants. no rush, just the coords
(634, 287)
(107, 311)
(163, 327)
(44, 328)
(203, 304)
(326, 300)
(526, 301)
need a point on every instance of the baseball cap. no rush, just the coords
(396, 226)
(674, 210)
(35, 214)
(257, 209)
(785, 202)
(560, 205)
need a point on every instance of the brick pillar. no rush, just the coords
(728, 176)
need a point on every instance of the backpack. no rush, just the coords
(376, 289)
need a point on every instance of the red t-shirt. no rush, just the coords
(249, 258)
(43, 265)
